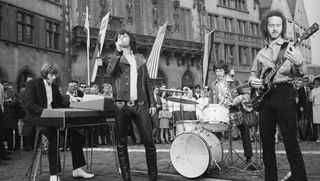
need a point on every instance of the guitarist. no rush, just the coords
(278, 106)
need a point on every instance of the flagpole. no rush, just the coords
(87, 26)
(88, 66)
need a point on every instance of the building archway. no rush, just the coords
(187, 79)
(3, 75)
(161, 78)
(22, 78)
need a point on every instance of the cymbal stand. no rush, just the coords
(184, 129)
(258, 165)
(229, 160)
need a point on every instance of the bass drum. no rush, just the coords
(193, 153)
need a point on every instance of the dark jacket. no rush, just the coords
(304, 103)
(10, 119)
(119, 68)
(35, 99)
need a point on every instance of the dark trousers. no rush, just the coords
(140, 115)
(2, 148)
(8, 132)
(279, 107)
(76, 149)
(246, 142)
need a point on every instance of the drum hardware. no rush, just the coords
(258, 165)
(181, 101)
(172, 90)
(229, 160)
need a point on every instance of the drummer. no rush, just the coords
(189, 110)
(221, 94)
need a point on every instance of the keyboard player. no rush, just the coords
(43, 93)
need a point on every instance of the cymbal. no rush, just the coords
(181, 100)
(171, 90)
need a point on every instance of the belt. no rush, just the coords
(281, 84)
(129, 103)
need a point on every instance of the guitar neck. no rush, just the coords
(277, 66)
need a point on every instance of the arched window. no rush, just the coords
(3, 75)
(187, 79)
(161, 78)
(22, 78)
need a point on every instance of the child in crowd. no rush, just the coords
(165, 116)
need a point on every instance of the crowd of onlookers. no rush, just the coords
(171, 113)
(307, 100)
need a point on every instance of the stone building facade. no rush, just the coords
(236, 39)
(52, 31)
(31, 33)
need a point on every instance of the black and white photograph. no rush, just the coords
(168, 90)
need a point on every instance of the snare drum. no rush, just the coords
(216, 118)
(186, 126)
(195, 152)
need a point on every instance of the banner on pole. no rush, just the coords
(208, 42)
(153, 60)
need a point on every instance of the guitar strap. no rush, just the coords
(280, 55)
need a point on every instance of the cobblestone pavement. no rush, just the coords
(104, 164)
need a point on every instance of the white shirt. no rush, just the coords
(1, 97)
(49, 94)
(133, 75)
(315, 96)
(189, 107)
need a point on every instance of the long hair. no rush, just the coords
(220, 64)
(133, 42)
(264, 23)
(48, 68)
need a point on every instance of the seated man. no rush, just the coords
(43, 93)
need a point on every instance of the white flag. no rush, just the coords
(208, 41)
(103, 29)
(87, 26)
(153, 61)
(101, 37)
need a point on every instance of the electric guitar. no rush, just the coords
(257, 95)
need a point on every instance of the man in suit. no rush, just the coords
(73, 89)
(43, 93)
(2, 148)
(304, 107)
(28, 132)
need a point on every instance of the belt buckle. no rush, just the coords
(140, 103)
(130, 103)
(120, 104)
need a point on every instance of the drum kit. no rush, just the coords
(196, 149)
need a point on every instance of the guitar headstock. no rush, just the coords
(310, 31)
